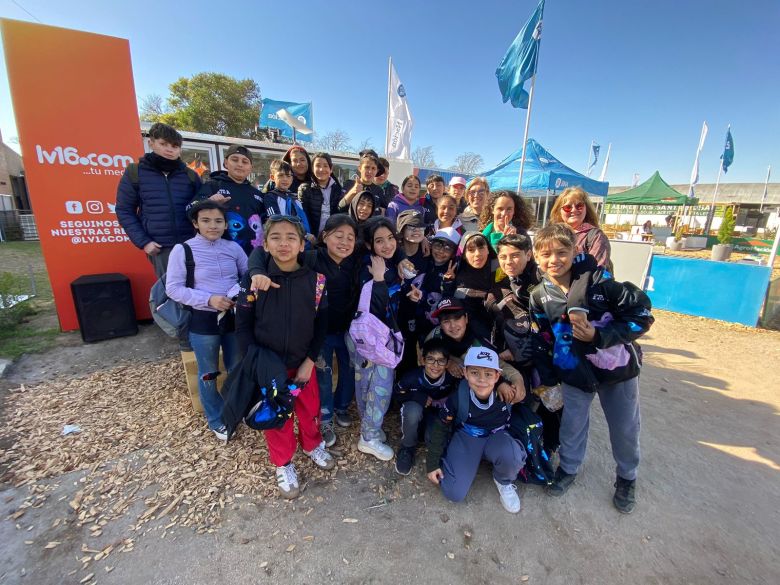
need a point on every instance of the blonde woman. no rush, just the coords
(575, 209)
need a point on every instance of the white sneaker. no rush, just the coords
(321, 457)
(509, 497)
(377, 448)
(287, 480)
(221, 433)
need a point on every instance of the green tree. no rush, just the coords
(211, 103)
(727, 227)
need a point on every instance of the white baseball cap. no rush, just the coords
(448, 234)
(482, 357)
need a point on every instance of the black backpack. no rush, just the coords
(526, 426)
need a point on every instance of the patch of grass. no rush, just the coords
(15, 341)
(26, 327)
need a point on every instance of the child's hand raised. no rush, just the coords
(377, 268)
(260, 282)
(450, 274)
(414, 295)
(436, 476)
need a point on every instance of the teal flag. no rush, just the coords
(519, 63)
(728, 152)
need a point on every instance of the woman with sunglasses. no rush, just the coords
(575, 209)
(477, 193)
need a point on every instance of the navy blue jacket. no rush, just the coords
(155, 210)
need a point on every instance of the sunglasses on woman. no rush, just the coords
(578, 206)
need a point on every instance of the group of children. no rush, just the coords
(489, 322)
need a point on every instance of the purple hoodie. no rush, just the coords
(399, 204)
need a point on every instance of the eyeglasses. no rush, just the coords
(436, 361)
(478, 192)
(577, 206)
(437, 245)
(277, 217)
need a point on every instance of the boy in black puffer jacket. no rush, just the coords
(153, 195)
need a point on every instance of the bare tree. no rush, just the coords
(152, 108)
(468, 163)
(337, 140)
(422, 157)
(365, 145)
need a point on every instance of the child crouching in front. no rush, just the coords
(479, 419)
(421, 392)
(290, 319)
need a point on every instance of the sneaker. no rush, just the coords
(321, 457)
(221, 433)
(509, 497)
(561, 483)
(343, 419)
(377, 448)
(404, 460)
(328, 434)
(287, 480)
(625, 495)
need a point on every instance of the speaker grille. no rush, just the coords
(104, 306)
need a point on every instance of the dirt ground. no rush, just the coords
(709, 495)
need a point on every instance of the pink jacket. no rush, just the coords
(596, 244)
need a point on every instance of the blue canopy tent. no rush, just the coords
(543, 175)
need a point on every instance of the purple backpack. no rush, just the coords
(374, 340)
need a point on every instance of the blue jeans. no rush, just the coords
(206, 348)
(345, 387)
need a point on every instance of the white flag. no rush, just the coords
(606, 163)
(398, 143)
(695, 171)
(635, 180)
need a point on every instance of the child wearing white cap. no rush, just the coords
(479, 419)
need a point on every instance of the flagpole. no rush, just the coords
(590, 151)
(525, 133)
(711, 213)
(766, 186)
(606, 164)
(387, 122)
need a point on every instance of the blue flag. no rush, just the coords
(728, 152)
(519, 63)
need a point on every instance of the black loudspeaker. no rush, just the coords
(104, 306)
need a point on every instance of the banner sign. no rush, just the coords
(269, 119)
(77, 118)
(662, 209)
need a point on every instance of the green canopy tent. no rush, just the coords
(654, 191)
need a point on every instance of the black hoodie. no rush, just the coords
(246, 212)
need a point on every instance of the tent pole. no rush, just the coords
(525, 134)
(546, 208)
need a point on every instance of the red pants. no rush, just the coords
(306, 408)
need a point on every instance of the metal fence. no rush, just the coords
(16, 225)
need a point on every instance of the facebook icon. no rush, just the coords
(74, 207)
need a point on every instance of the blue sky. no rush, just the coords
(642, 75)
